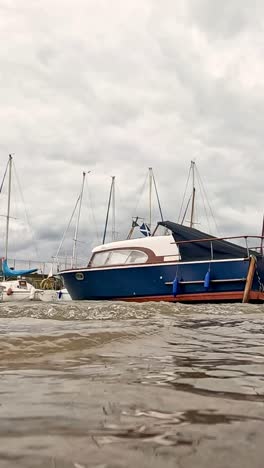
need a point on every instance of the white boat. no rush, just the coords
(16, 290)
(14, 286)
(52, 295)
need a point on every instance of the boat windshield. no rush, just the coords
(118, 257)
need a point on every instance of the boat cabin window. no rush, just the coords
(99, 259)
(118, 257)
(22, 284)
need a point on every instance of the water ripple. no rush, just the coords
(121, 384)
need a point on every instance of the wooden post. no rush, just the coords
(249, 280)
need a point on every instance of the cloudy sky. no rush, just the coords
(117, 86)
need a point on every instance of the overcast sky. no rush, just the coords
(117, 86)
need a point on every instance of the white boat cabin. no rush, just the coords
(156, 249)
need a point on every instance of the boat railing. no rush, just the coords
(257, 249)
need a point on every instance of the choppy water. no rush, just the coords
(108, 385)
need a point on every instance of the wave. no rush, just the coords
(96, 310)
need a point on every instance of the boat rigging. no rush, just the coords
(146, 228)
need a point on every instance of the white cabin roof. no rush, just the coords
(160, 245)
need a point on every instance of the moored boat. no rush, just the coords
(13, 285)
(52, 295)
(16, 290)
(187, 266)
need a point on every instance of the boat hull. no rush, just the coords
(154, 282)
(51, 295)
(16, 290)
(17, 296)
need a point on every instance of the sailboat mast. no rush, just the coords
(8, 204)
(113, 209)
(150, 196)
(74, 250)
(108, 209)
(157, 195)
(262, 240)
(193, 194)
(66, 230)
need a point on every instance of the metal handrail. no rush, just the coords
(217, 238)
(212, 239)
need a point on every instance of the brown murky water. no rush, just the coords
(108, 385)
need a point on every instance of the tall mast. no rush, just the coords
(150, 196)
(262, 240)
(152, 183)
(157, 195)
(193, 194)
(108, 209)
(74, 250)
(113, 209)
(8, 204)
(66, 230)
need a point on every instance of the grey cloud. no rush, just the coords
(227, 18)
(118, 88)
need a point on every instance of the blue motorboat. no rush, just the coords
(186, 266)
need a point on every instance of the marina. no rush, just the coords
(182, 265)
(131, 234)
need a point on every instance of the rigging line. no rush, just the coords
(82, 242)
(2, 183)
(26, 212)
(107, 213)
(76, 231)
(68, 226)
(262, 233)
(186, 186)
(187, 206)
(1, 188)
(141, 192)
(92, 210)
(120, 234)
(210, 208)
(198, 215)
(157, 195)
(131, 230)
(203, 200)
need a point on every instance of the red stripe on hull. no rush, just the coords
(256, 296)
(202, 297)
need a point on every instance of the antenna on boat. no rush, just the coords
(111, 199)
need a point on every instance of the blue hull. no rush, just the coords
(154, 282)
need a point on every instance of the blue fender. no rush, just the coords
(207, 280)
(175, 287)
